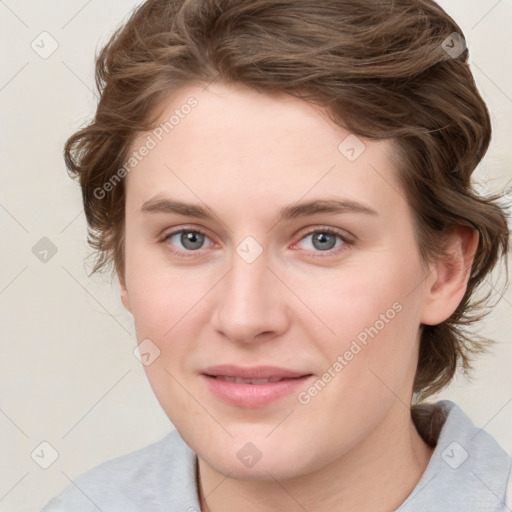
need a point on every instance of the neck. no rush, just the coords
(378, 474)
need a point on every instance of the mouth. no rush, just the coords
(239, 380)
(252, 387)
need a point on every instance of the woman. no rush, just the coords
(284, 190)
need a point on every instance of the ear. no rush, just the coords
(125, 298)
(448, 280)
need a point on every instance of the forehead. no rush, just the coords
(232, 144)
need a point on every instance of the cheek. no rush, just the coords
(171, 310)
(357, 297)
(161, 296)
(372, 312)
(151, 311)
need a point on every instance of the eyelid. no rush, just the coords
(346, 238)
(344, 235)
(185, 228)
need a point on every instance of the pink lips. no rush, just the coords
(252, 386)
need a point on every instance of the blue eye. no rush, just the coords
(324, 240)
(186, 241)
(191, 240)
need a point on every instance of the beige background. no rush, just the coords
(67, 372)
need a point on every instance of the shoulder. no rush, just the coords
(468, 468)
(152, 478)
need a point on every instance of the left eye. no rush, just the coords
(323, 240)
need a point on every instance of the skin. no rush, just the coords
(244, 155)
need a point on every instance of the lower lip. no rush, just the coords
(253, 395)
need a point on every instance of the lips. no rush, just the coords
(239, 380)
(255, 372)
(256, 386)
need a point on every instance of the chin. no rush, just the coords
(265, 463)
(261, 471)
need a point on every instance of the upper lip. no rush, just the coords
(253, 372)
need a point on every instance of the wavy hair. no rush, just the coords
(383, 69)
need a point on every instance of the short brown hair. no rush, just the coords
(381, 68)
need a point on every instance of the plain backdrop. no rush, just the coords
(68, 376)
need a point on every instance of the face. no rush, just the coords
(274, 277)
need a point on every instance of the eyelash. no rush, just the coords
(330, 252)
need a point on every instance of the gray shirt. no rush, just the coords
(468, 471)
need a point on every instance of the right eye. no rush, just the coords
(183, 241)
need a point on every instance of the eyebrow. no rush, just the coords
(165, 205)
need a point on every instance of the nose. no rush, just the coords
(251, 304)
